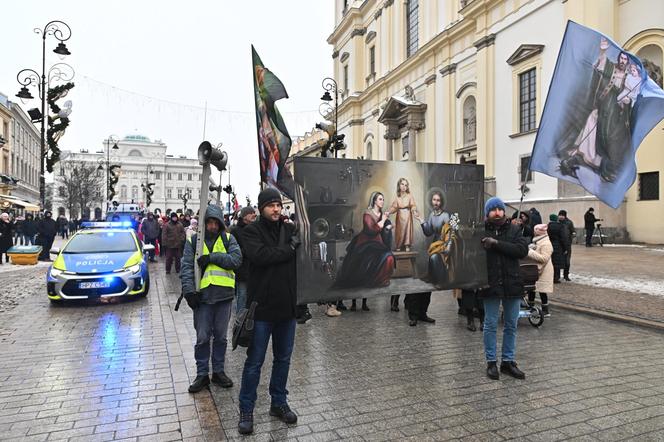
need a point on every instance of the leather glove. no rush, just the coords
(203, 262)
(489, 242)
(193, 300)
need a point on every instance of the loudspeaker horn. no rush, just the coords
(211, 155)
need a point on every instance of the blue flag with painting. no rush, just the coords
(601, 105)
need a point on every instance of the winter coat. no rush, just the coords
(230, 260)
(589, 220)
(502, 261)
(30, 227)
(18, 226)
(541, 255)
(172, 235)
(6, 236)
(571, 230)
(272, 269)
(242, 274)
(559, 237)
(47, 228)
(150, 229)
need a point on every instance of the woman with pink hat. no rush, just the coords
(540, 251)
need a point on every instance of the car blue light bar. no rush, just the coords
(105, 224)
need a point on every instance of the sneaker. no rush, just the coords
(222, 380)
(511, 369)
(492, 371)
(199, 383)
(283, 413)
(246, 424)
(545, 311)
(332, 311)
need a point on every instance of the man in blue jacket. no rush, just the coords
(212, 304)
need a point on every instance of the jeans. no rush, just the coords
(28, 240)
(240, 295)
(211, 321)
(283, 339)
(511, 319)
(589, 236)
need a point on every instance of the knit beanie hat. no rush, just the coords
(493, 203)
(246, 211)
(541, 229)
(267, 196)
(553, 217)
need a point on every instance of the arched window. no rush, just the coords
(123, 192)
(652, 59)
(369, 154)
(134, 192)
(469, 121)
(135, 153)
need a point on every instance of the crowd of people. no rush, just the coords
(28, 230)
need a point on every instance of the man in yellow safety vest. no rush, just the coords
(212, 304)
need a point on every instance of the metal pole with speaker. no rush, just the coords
(207, 155)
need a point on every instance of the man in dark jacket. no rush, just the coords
(247, 216)
(172, 238)
(589, 224)
(29, 229)
(269, 245)
(504, 246)
(212, 304)
(559, 236)
(535, 217)
(47, 229)
(150, 230)
(571, 232)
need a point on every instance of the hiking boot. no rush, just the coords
(199, 383)
(283, 413)
(511, 369)
(222, 380)
(246, 424)
(353, 306)
(492, 370)
(365, 307)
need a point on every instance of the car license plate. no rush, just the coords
(94, 285)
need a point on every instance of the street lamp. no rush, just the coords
(325, 109)
(106, 165)
(29, 77)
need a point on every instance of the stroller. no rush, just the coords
(530, 274)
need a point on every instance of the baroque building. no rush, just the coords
(141, 161)
(466, 80)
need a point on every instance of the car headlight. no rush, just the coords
(134, 269)
(55, 272)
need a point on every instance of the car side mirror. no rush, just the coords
(55, 251)
(148, 248)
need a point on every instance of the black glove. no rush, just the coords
(295, 240)
(193, 300)
(203, 262)
(489, 242)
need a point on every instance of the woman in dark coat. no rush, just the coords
(559, 236)
(369, 262)
(6, 236)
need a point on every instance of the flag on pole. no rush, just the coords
(274, 143)
(600, 106)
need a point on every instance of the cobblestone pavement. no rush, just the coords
(121, 370)
(623, 280)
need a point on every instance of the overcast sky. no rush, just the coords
(149, 66)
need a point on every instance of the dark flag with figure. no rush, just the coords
(274, 143)
(600, 106)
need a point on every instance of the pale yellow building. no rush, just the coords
(455, 80)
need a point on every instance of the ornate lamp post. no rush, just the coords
(147, 186)
(325, 109)
(29, 77)
(110, 169)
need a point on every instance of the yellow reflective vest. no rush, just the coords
(214, 274)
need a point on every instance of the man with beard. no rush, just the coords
(504, 246)
(603, 141)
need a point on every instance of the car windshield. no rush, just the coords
(95, 242)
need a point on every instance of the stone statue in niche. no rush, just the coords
(469, 124)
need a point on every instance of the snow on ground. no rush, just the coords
(634, 285)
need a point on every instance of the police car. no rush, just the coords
(103, 260)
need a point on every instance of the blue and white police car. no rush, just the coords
(103, 260)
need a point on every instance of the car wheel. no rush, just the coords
(144, 293)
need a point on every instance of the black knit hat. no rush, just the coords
(268, 196)
(246, 211)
